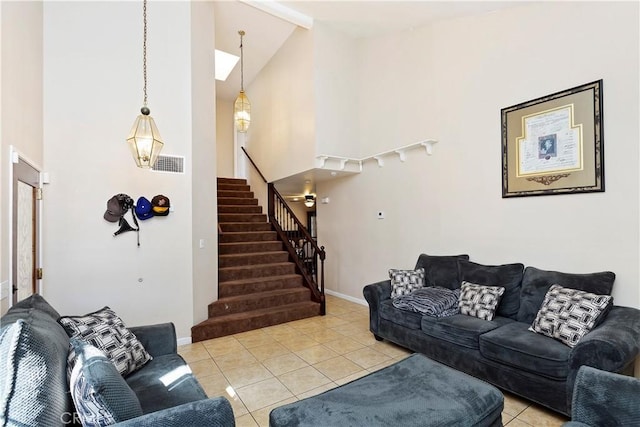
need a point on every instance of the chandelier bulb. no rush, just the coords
(145, 111)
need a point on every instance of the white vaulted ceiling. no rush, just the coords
(268, 23)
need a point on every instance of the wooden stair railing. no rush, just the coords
(305, 255)
(292, 232)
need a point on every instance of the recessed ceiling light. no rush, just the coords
(224, 64)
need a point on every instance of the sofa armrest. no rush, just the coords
(215, 412)
(593, 403)
(157, 339)
(612, 346)
(375, 293)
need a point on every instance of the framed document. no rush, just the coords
(554, 144)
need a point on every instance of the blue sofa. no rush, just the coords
(34, 390)
(503, 351)
(603, 398)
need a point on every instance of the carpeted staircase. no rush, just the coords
(258, 285)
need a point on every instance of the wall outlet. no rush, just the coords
(380, 215)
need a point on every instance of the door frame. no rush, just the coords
(15, 156)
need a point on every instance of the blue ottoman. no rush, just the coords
(416, 391)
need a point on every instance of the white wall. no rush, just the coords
(449, 81)
(336, 101)
(204, 200)
(20, 109)
(224, 138)
(281, 139)
(92, 94)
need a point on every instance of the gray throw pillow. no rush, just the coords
(101, 396)
(33, 383)
(569, 314)
(106, 331)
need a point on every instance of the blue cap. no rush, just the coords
(143, 208)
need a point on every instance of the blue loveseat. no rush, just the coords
(502, 351)
(34, 390)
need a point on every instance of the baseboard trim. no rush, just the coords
(184, 341)
(347, 297)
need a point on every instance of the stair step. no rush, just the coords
(258, 270)
(234, 260)
(259, 284)
(233, 181)
(247, 236)
(247, 209)
(233, 187)
(238, 217)
(234, 201)
(240, 247)
(256, 301)
(236, 194)
(245, 226)
(240, 322)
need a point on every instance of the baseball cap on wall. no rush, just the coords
(160, 205)
(117, 206)
(143, 208)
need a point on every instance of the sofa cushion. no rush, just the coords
(568, 314)
(508, 276)
(408, 319)
(106, 331)
(479, 301)
(441, 270)
(33, 379)
(403, 282)
(165, 382)
(536, 283)
(514, 345)
(101, 396)
(460, 329)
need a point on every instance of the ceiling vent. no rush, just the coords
(171, 164)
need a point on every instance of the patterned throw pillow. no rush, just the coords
(105, 330)
(404, 282)
(479, 301)
(101, 396)
(569, 314)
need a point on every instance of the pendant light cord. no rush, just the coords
(144, 49)
(241, 62)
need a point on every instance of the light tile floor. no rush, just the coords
(269, 367)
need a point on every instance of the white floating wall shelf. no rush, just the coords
(324, 161)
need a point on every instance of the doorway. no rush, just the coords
(25, 231)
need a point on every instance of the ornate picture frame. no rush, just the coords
(554, 144)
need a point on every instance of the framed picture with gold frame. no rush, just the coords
(554, 144)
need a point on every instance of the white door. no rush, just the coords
(26, 182)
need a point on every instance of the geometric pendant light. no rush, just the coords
(144, 138)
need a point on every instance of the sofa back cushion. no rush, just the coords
(441, 270)
(33, 359)
(21, 308)
(507, 276)
(536, 283)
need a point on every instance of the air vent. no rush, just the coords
(172, 164)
